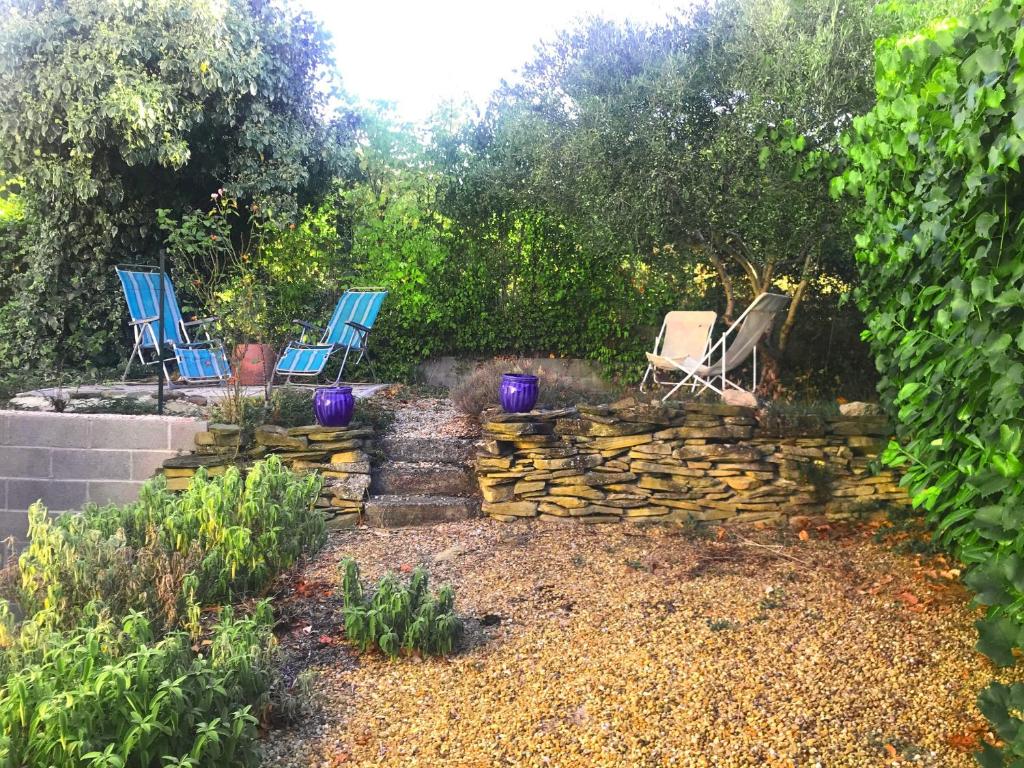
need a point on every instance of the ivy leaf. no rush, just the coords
(997, 638)
(984, 223)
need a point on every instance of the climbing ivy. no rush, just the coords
(941, 252)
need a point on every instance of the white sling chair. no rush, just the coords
(683, 334)
(746, 333)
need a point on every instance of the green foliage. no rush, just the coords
(399, 617)
(111, 111)
(99, 673)
(634, 170)
(114, 696)
(223, 538)
(937, 163)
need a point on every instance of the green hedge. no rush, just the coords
(942, 261)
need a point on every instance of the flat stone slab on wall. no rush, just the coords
(338, 454)
(68, 460)
(681, 462)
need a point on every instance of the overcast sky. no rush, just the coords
(418, 54)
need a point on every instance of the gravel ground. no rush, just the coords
(427, 416)
(626, 646)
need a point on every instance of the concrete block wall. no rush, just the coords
(68, 459)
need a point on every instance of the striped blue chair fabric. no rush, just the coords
(141, 289)
(348, 329)
(200, 361)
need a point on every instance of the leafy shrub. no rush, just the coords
(284, 407)
(938, 163)
(222, 538)
(115, 696)
(479, 390)
(399, 617)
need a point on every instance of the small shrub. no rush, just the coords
(399, 617)
(167, 553)
(112, 695)
(284, 407)
(479, 390)
(373, 413)
(290, 407)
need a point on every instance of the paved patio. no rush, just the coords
(87, 396)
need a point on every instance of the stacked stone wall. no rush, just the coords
(682, 462)
(339, 455)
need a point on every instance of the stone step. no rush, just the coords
(439, 450)
(395, 511)
(423, 479)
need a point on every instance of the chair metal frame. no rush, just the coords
(148, 325)
(362, 333)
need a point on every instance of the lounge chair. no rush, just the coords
(349, 330)
(199, 361)
(733, 348)
(683, 334)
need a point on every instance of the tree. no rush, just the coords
(703, 146)
(110, 111)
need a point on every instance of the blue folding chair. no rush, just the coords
(349, 329)
(199, 361)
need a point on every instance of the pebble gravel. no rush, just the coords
(626, 646)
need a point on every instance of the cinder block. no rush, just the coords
(146, 463)
(120, 432)
(94, 464)
(56, 495)
(183, 433)
(24, 462)
(4, 419)
(113, 492)
(54, 430)
(13, 523)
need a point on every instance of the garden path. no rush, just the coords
(621, 646)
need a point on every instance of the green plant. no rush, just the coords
(937, 163)
(374, 413)
(284, 407)
(101, 134)
(721, 625)
(110, 694)
(399, 617)
(167, 553)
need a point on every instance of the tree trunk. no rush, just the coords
(730, 296)
(798, 294)
(770, 385)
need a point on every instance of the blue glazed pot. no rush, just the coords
(518, 393)
(333, 406)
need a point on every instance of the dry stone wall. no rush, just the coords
(339, 455)
(681, 462)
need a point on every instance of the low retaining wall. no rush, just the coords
(681, 462)
(68, 460)
(337, 454)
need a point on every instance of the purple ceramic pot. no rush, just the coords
(518, 393)
(333, 406)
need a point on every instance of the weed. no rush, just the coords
(721, 625)
(399, 617)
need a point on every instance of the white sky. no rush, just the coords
(417, 54)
